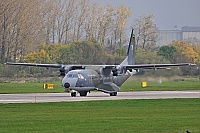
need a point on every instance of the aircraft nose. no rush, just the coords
(66, 85)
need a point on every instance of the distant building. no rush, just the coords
(188, 34)
(191, 34)
(167, 36)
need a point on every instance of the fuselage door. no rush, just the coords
(81, 80)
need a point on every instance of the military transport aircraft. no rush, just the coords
(106, 78)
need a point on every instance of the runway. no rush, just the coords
(94, 96)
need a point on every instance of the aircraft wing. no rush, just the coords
(36, 65)
(156, 66)
(98, 67)
(144, 66)
(94, 67)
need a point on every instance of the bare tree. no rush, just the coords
(21, 23)
(146, 35)
(122, 15)
(104, 23)
(91, 22)
(25, 24)
(7, 8)
(81, 16)
(69, 13)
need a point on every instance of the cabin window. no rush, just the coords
(72, 75)
(80, 76)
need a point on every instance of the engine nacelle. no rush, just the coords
(64, 70)
(118, 70)
(115, 72)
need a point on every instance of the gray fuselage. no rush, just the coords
(87, 80)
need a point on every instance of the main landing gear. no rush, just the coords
(113, 94)
(82, 94)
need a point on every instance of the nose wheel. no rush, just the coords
(73, 94)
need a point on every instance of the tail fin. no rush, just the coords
(130, 58)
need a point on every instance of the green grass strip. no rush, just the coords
(131, 85)
(164, 86)
(142, 116)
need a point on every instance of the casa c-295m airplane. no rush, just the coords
(106, 78)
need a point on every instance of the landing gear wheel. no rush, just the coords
(113, 94)
(83, 93)
(73, 94)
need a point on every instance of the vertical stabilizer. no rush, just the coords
(130, 58)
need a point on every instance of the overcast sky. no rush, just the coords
(167, 13)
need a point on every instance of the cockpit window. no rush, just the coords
(80, 76)
(72, 75)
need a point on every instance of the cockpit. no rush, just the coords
(74, 74)
(73, 78)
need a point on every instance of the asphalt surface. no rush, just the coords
(65, 97)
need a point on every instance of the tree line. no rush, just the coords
(25, 24)
(82, 52)
(182, 52)
(80, 32)
(85, 52)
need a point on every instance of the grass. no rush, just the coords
(6, 88)
(130, 85)
(164, 86)
(144, 116)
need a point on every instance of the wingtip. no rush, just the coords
(8, 63)
(192, 64)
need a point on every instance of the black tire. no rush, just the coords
(83, 93)
(73, 94)
(113, 94)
